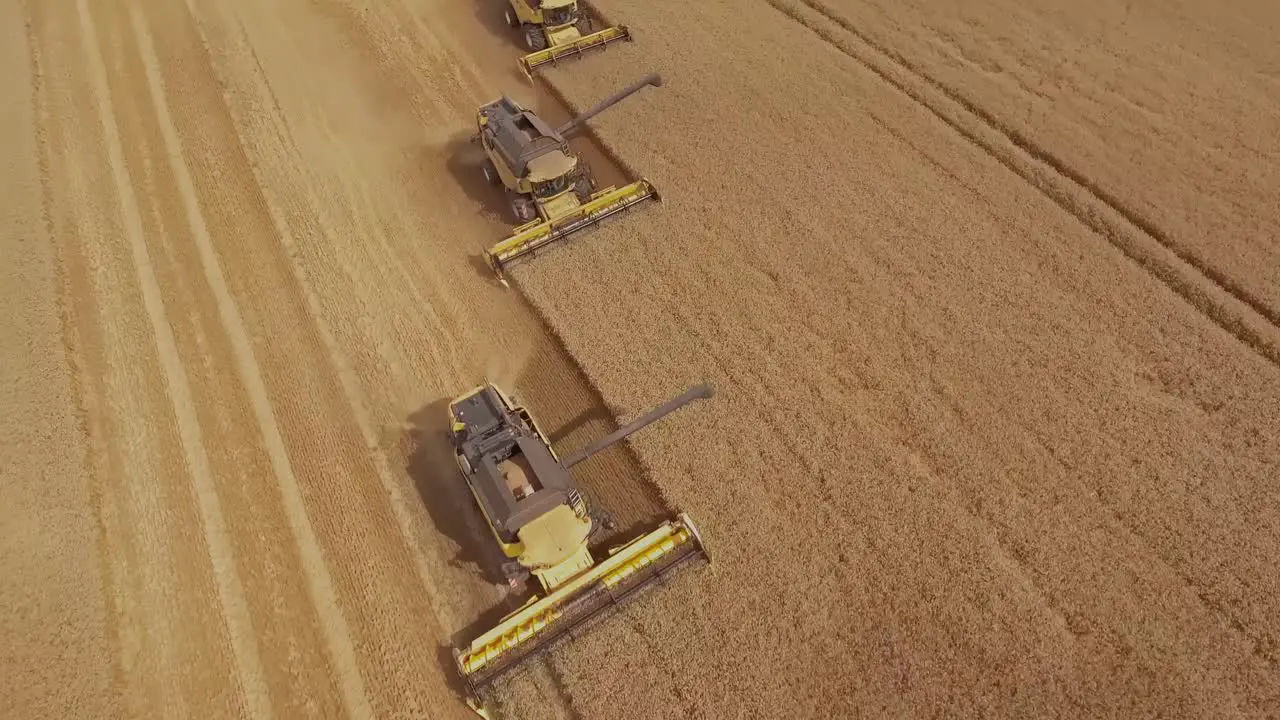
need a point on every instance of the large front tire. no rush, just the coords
(583, 188)
(535, 38)
(516, 575)
(524, 209)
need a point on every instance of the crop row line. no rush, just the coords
(1232, 307)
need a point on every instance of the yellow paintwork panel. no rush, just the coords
(569, 46)
(557, 537)
(537, 234)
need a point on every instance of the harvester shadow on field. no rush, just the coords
(465, 162)
(445, 495)
(580, 421)
(490, 15)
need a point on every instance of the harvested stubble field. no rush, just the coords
(239, 288)
(988, 296)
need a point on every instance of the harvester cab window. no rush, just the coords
(551, 188)
(558, 16)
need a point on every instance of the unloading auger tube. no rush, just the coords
(697, 392)
(653, 79)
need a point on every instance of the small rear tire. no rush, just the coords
(490, 172)
(511, 18)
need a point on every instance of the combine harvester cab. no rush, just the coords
(558, 29)
(550, 189)
(543, 524)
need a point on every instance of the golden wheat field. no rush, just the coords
(989, 296)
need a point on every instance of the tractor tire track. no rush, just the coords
(234, 607)
(343, 366)
(286, 624)
(369, 564)
(320, 583)
(82, 338)
(1233, 307)
(58, 634)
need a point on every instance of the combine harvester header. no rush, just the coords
(557, 29)
(536, 235)
(573, 48)
(543, 524)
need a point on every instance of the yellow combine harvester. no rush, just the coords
(557, 29)
(550, 189)
(543, 525)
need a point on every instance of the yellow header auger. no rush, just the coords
(551, 191)
(557, 29)
(543, 525)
